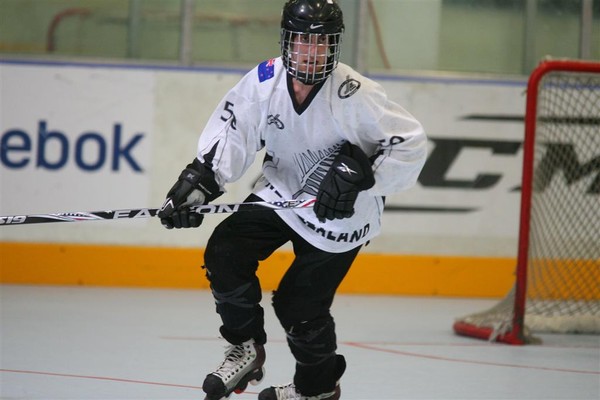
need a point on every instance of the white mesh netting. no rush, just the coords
(563, 263)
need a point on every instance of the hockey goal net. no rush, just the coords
(557, 287)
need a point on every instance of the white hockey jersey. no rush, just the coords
(301, 140)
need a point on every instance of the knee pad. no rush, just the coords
(291, 312)
(241, 313)
(312, 342)
(244, 296)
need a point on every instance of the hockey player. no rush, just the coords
(329, 134)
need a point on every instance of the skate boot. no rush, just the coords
(288, 392)
(243, 364)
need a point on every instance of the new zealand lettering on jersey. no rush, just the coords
(347, 237)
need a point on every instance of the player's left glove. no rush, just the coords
(350, 173)
(196, 185)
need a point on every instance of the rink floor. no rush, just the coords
(114, 343)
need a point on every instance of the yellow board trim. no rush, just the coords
(158, 267)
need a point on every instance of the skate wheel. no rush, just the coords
(240, 389)
(261, 376)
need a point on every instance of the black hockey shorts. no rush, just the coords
(305, 293)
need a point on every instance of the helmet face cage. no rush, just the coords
(311, 35)
(310, 57)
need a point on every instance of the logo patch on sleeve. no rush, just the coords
(266, 70)
(348, 87)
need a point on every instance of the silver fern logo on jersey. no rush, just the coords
(348, 87)
(313, 166)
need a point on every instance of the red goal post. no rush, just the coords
(557, 286)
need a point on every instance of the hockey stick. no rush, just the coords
(12, 220)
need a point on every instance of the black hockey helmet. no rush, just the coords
(319, 22)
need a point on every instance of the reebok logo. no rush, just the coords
(52, 149)
(344, 169)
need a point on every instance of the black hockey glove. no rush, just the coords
(350, 173)
(196, 185)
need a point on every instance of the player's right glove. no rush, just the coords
(196, 185)
(350, 173)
